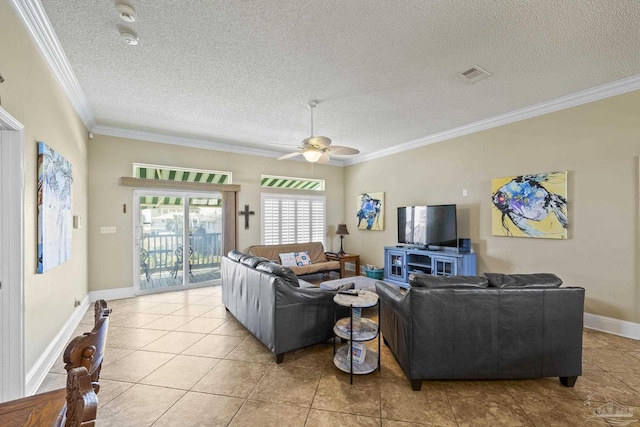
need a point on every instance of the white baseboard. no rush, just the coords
(110, 294)
(39, 370)
(613, 326)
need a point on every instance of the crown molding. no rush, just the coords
(39, 28)
(607, 90)
(8, 122)
(191, 142)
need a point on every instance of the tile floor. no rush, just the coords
(179, 359)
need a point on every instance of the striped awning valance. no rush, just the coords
(180, 174)
(292, 183)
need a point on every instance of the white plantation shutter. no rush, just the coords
(292, 219)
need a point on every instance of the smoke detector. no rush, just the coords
(126, 13)
(474, 74)
(129, 37)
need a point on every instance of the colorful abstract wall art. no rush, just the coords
(530, 206)
(370, 211)
(55, 219)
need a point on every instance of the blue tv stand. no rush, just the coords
(400, 262)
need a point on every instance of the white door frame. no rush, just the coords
(12, 243)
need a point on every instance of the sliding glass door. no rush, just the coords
(177, 239)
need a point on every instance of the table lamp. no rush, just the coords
(342, 231)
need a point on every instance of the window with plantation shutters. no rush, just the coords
(292, 219)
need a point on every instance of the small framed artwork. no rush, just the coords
(370, 211)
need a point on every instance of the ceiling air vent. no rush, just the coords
(474, 74)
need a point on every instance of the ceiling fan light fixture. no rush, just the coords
(312, 155)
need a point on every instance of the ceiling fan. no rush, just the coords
(316, 149)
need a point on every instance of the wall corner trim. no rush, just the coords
(613, 326)
(38, 372)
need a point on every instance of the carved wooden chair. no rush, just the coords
(75, 406)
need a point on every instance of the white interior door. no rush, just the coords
(12, 372)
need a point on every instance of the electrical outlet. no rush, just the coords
(107, 230)
(76, 302)
(464, 192)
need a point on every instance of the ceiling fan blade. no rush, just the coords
(290, 155)
(324, 158)
(342, 151)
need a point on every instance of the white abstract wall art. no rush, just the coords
(55, 219)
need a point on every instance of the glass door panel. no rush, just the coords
(205, 238)
(160, 234)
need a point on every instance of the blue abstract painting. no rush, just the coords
(55, 219)
(370, 211)
(530, 206)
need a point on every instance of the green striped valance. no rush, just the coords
(292, 183)
(169, 173)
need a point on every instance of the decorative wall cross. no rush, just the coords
(246, 212)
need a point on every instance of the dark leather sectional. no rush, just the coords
(460, 328)
(266, 298)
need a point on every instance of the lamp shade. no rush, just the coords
(342, 230)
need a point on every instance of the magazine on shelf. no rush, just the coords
(359, 352)
(364, 327)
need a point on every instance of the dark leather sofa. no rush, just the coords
(461, 328)
(268, 300)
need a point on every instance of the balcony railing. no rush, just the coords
(162, 251)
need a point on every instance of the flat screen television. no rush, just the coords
(434, 225)
(442, 226)
(412, 225)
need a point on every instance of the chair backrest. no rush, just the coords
(87, 350)
(82, 401)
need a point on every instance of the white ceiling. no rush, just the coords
(385, 72)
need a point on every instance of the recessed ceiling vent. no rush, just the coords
(474, 74)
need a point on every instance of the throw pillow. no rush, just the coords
(302, 258)
(447, 282)
(535, 280)
(288, 259)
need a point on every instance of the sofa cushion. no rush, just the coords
(317, 268)
(284, 273)
(253, 261)
(315, 250)
(288, 259)
(535, 280)
(448, 282)
(236, 255)
(302, 259)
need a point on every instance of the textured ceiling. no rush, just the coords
(385, 72)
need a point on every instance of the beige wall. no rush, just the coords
(110, 255)
(31, 94)
(597, 143)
